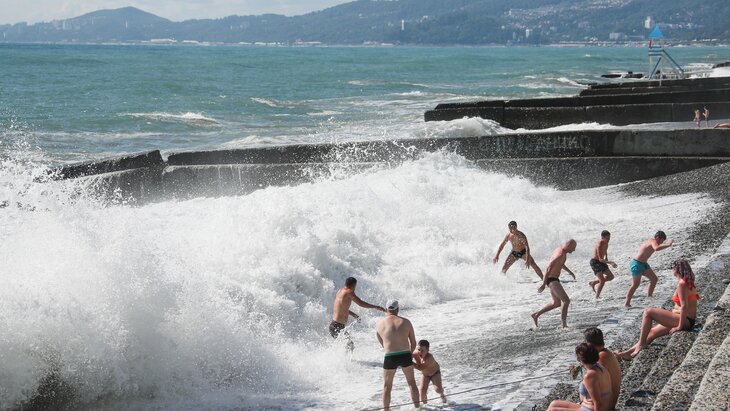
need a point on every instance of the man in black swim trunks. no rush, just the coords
(552, 281)
(341, 311)
(520, 250)
(398, 339)
(599, 264)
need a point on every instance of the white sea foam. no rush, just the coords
(223, 303)
(164, 116)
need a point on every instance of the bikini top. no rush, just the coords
(692, 296)
(582, 390)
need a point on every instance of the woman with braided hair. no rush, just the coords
(681, 318)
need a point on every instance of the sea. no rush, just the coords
(224, 303)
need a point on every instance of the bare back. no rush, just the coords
(601, 251)
(608, 360)
(343, 301)
(396, 334)
(646, 250)
(557, 261)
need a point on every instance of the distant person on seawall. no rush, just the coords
(551, 280)
(706, 114)
(341, 311)
(520, 250)
(639, 264)
(698, 118)
(398, 339)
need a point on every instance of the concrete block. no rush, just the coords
(539, 118)
(109, 165)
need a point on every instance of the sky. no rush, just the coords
(34, 11)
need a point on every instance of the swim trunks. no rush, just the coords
(637, 267)
(430, 377)
(393, 360)
(336, 328)
(691, 324)
(518, 254)
(597, 266)
(551, 279)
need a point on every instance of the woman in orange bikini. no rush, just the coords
(681, 318)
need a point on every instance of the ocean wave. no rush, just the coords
(185, 117)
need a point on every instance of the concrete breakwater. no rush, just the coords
(617, 104)
(567, 160)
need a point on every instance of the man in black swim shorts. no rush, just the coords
(520, 250)
(552, 282)
(398, 339)
(599, 264)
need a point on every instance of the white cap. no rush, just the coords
(392, 305)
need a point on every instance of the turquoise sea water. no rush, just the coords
(79, 102)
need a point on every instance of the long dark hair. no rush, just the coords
(684, 271)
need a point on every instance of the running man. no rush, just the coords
(639, 264)
(552, 281)
(599, 264)
(397, 337)
(341, 311)
(520, 250)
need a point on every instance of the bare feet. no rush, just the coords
(593, 286)
(534, 318)
(627, 306)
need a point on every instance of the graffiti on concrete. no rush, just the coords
(512, 145)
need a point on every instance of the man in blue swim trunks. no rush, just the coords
(398, 339)
(639, 264)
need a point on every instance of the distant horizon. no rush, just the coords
(46, 11)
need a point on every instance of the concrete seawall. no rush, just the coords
(566, 160)
(617, 104)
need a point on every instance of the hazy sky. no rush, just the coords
(34, 11)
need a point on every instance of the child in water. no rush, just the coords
(430, 371)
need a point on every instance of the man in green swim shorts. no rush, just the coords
(397, 337)
(639, 264)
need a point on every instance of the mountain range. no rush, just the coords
(416, 22)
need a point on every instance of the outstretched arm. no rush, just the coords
(664, 246)
(355, 316)
(364, 304)
(501, 246)
(568, 270)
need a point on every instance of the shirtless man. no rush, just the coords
(430, 371)
(520, 250)
(599, 264)
(639, 264)
(552, 281)
(341, 310)
(398, 339)
(607, 359)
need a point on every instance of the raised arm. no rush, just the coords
(364, 304)
(499, 250)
